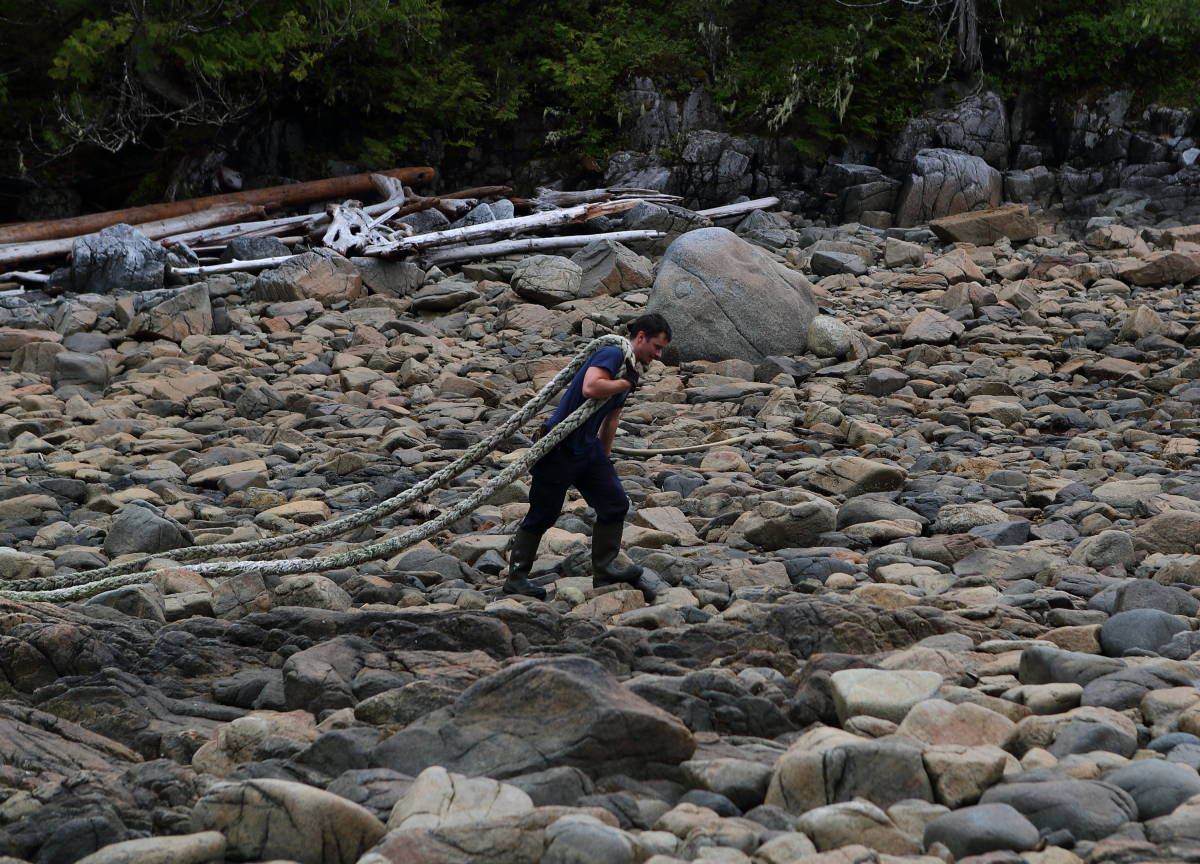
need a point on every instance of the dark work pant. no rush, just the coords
(591, 473)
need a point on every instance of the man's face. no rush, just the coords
(646, 349)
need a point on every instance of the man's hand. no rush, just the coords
(632, 377)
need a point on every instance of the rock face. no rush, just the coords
(547, 279)
(538, 715)
(264, 820)
(985, 227)
(726, 299)
(180, 314)
(945, 182)
(328, 278)
(119, 257)
(611, 268)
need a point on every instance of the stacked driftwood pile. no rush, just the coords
(200, 230)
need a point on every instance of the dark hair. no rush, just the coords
(651, 324)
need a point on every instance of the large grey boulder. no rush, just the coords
(982, 829)
(547, 279)
(671, 220)
(1089, 810)
(389, 278)
(945, 182)
(143, 528)
(265, 820)
(1157, 787)
(253, 249)
(84, 370)
(117, 257)
(729, 300)
(611, 268)
(537, 715)
(173, 314)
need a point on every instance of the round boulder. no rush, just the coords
(727, 299)
(1157, 787)
(981, 829)
(1148, 629)
(828, 337)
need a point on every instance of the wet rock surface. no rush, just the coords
(939, 602)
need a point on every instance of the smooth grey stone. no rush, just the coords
(1089, 810)
(981, 829)
(1148, 629)
(1004, 533)
(1052, 666)
(1084, 737)
(74, 368)
(136, 601)
(1123, 690)
(253, 249)
(832, 263)
(142, 528)
(561, 786)
(1157, 787)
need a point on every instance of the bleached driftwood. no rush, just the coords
(500, 228)
(232, 267)
(351, 229)
(532, 244)
(395, 194)
(731, 210)
(221, 237)
(27, 276)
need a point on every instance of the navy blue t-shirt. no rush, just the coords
(583, 439)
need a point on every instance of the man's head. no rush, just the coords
(650, 334)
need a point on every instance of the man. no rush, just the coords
(582, 460)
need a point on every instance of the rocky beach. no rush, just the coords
(935, 601)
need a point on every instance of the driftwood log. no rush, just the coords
(275, 196)
(731, 210)
(500, 228)
(531, 244)
(351, 229)
(232, 267)
(16, 253)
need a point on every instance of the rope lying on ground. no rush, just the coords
(677, 451)
(81, 585)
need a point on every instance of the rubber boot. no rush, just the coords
(520, 562)
(606, 545)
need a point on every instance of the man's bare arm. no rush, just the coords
(608, 431)
(598, 383)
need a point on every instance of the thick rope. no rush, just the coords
(104, 579)
(338, 527)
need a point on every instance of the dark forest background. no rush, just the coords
(123, 99)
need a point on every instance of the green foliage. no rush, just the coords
(177, 73)
(1087, 44)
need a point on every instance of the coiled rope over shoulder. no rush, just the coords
(81, 585)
